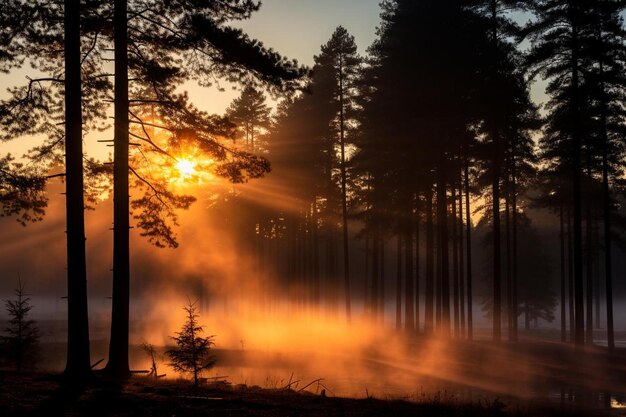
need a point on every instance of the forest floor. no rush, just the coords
(424, 377)
(41, 395)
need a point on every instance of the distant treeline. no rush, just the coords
(434, 129)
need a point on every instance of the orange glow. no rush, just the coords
(190, 168)
(186, 168)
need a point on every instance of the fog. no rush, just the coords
(262, 338)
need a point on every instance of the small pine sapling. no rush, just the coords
(21, 339)
(191, 354)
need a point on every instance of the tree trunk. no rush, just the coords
(118, 347)
(509, 277)
(382, 282)
(514, 265)
(316, 260)
(577, 195)
(468, 237)
(570, 278)
(562, 242)
(606, 206)
(430, 255)
(409, 310)
(526, 316)
(589, 255)
(495, 185)
(442, 223)
(330, 293)
(455, 265)
(596, 270)
(78, 366)
(344, 200)
(375, 274)
(461, 259)
(496, 241)
(297, 261)
(367, 274)
(417, 267)
(399, 281)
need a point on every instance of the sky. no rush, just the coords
(295, 28)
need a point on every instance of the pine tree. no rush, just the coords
(78, 357)
(69, 91)
(252, 117)
(560, 45)
(22, 335)
(146, 46)
(22, 192)
(607, 91)
(503, 97)
(192, 351)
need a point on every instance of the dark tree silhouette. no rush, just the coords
(340, 61)
(252, 116)
(21, 191)
(118, 344)
(197, 31)
(36, 109)
(192, 351)
(607, 91)
(78, 359)
(502, 103)
(21, 339)
(559, 38)
(536, 297)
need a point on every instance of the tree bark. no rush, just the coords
(417, 267)
(514, 265)
(409, 308)
(596, 270)
(316, 259)
(382, 282)
(118, 346)
(606, 205)
(455, 265)
(78, 366)
(399, 281)
(570, 278)
(577, 194)
(461, 259)
(430, 255)
(509, 271)
(442, 223)
(468, 237)
(367, 274)
(344, 200)
(562, 246)
(496, 242)
(375, 274)
(589, 264)
(495, 185)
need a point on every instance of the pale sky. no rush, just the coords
(297, 29)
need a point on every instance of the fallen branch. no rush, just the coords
(97, 363)
(310, 383)
(187, 397)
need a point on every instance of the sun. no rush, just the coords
(185, 167)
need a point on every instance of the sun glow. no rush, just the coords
(189, 169)
(186, 168)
